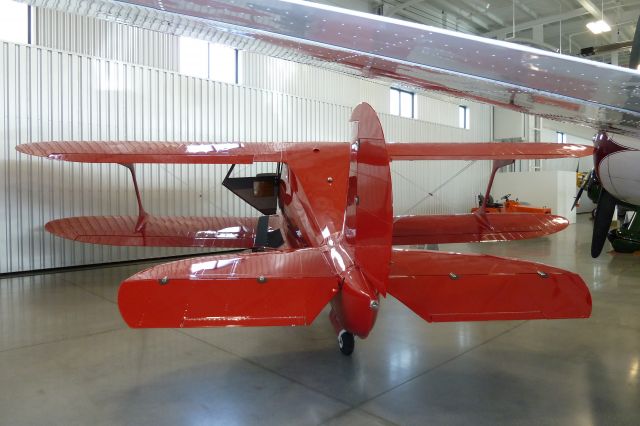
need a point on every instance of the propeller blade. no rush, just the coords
(634, 57)
(602, 222)
(577, 200)
(584, 186)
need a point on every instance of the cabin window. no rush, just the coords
(201, 59)
(561, 137)
(401, 102)
(463, 117)
(15, 22)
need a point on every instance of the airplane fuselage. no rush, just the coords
(340, 201)
(617, 165)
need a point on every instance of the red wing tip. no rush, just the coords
(25, 148)
(34, 149)
(559, 220)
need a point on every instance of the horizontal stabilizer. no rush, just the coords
(158, 231)
(474, 227)
(256, 289)
(484, 151)
(471, 287)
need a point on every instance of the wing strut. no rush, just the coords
(497, 165)
(142, 214)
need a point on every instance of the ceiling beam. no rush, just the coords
(596, 13)
(483, 11)
(540, 21)
(591, 8)
(408, 10)
(625, 30)
(401, 6)
(472, 19)
(526, 9)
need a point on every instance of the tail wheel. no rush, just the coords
(346, 342)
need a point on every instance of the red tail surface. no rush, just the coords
(368, 227)
(256, 289)
(473, 287)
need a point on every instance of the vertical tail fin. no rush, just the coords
(368, 225)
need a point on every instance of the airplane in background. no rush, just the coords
(521, 78)
(616, 174)
(332, 241)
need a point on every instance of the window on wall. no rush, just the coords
(199, 58)
(14, 21)
(401, 103)
(561, 137)
(463, 117)
(223, 63)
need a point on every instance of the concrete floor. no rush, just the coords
(67, 358)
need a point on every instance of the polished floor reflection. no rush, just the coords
(67, 358)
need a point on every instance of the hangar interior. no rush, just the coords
(66, 356)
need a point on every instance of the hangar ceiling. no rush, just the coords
(552, 24)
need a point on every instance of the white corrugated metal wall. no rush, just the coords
(518, 126)
(49, 94)
(106, 39)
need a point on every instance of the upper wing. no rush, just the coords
(474, 227)
(504, 74)
(484, 151)
(166, 231)
(472, 287)
(257, 289)
(131, 152)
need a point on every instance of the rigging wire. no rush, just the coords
(437, 188)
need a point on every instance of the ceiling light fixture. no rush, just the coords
(601, 26)
(598, 27)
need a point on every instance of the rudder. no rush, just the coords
(368, 226)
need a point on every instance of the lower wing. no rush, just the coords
(164, 231)
(256, 289)
(474, 227)
(444, 287)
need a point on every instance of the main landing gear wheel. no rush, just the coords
(346, 342)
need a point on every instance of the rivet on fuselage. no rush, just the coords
(542, 274)
(356, 200)
(262, 279)
(374, 305)
(453, 276)
(164, 280)
(330, 179)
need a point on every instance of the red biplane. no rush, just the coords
(507, 75)
(331, 242)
